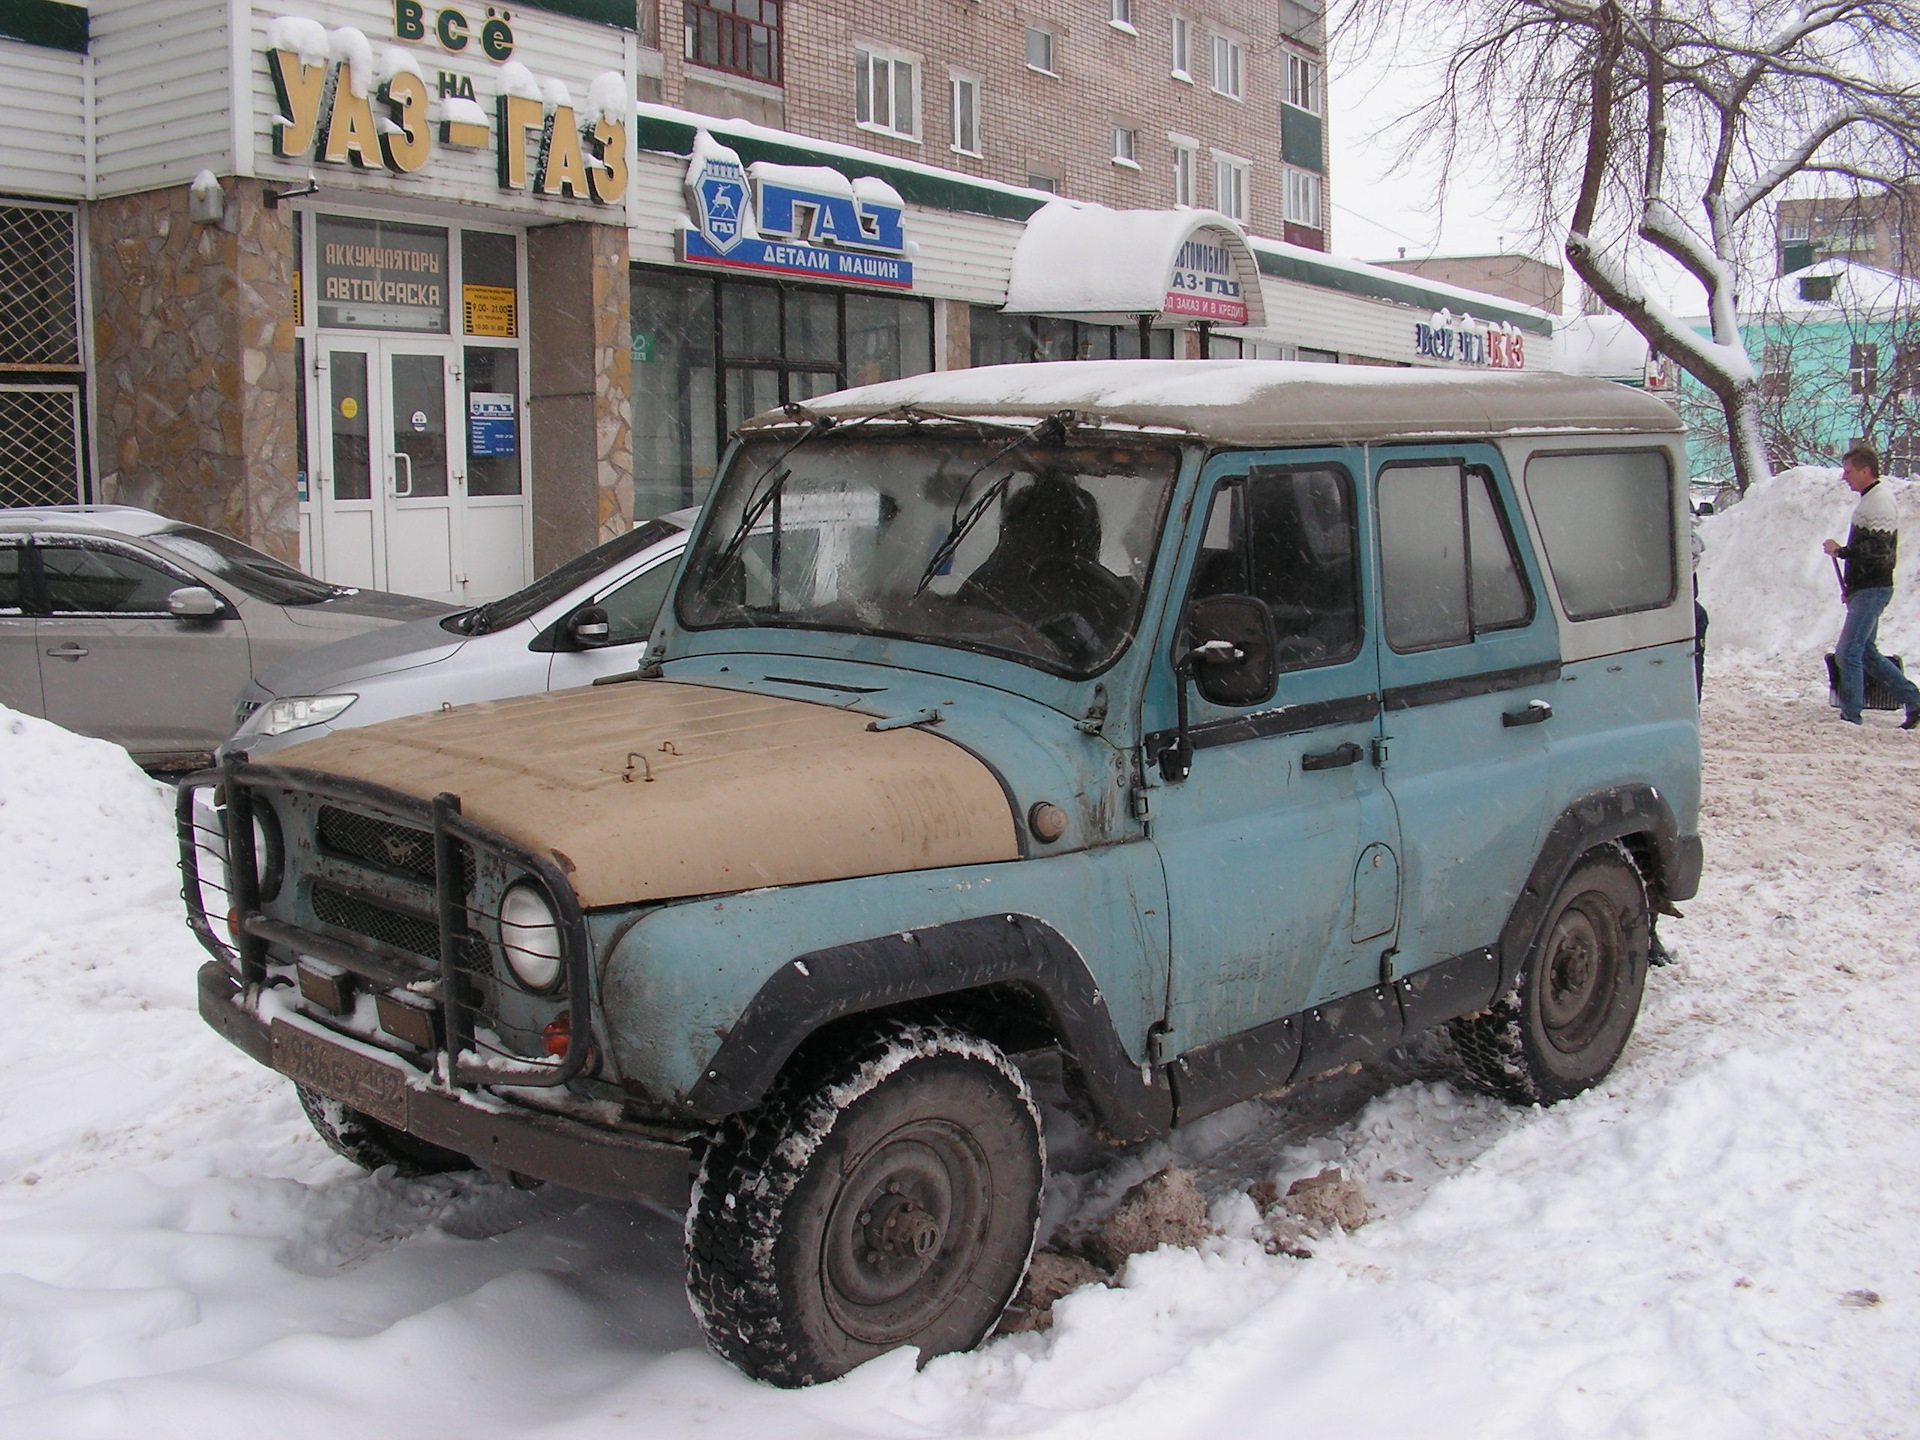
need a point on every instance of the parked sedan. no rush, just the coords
(588, 618)
(125, 625)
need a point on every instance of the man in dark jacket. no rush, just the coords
(1873, 543)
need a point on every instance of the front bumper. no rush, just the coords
(565, 1152)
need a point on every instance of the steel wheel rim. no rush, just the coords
(1580, 973)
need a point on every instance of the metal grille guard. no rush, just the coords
(368, 958)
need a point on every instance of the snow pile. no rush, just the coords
(608, 98)
(353, 50)
(301, 37)
(1769, 587)
(518, 81)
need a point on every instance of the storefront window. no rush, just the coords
(493, 420)
(1002, 339)
(379, 275)
(709, 353)
(352, 450)
(489, 285)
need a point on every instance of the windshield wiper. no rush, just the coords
(1053, 427)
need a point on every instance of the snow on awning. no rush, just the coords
(1089, 261)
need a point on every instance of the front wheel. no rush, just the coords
(888, 1198)
(1563, 1025)
(370, 1144)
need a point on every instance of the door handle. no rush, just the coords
(1334, 759)
(68, 651)
(397, 457)
(1536, 711)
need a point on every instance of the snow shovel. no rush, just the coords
(1877, 696)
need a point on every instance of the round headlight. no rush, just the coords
(530, 936)
(269, 852)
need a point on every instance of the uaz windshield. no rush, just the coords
(1039, 550)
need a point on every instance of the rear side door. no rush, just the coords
(116, 664)
(19, 656)
(1469, 670)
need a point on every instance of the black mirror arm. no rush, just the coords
(1176, 761)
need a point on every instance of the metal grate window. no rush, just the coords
(39, 313)
(39, 445)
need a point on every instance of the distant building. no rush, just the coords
(1519, 278)
(1878, 230)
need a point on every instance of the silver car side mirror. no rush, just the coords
(194, 602)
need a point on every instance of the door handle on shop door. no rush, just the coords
(1334, 759)
(68, 651)
(1534, 714)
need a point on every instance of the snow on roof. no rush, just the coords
(1079, 258)
(1858, 289)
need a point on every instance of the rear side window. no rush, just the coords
(11, 578)
(1606, 519)
(1448, 569)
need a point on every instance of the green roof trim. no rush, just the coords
(45, 23)
(1401, 292)
(916, 187)
(621, 14)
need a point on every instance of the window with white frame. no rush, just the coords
(1303, 198)
(1125, 143)
(1183, 163)
(1040, 50)
(966, 114)
(886, 93)
(1182, 48)
(1230, 186)
(1303, 83)
(1120, 12)
(1226, 67)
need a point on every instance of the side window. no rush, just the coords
(12, 581)
(632, 607)
(1606, 520)
(103, 582)
(1448, 568)
(1287, 536)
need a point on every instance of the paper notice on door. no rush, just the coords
(490, 310)
(493, 424)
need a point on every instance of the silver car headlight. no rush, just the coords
(295, 712)
(530, 936)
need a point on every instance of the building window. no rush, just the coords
(1863, 369)
(966, 115)
(1183, 175)
(1043, 182)
(1040, 50)
(1230, 187)
(1303, 199)
(886, 93)
(1120, 13)
(1817, 289)
(1776, 371)
(1125, 143)
(741, 37)
(1303, 83)
(1793, 230)
(1903, 455)
(1226, 67)
(1182, 49)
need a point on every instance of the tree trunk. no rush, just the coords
(1744, 439)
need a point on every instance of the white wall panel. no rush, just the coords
(162, 92)
(43, 122)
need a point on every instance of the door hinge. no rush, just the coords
(1387, 956)
(1380, 751)
(1140, 803)
(1163, 1044)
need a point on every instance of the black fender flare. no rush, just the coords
(1000, 951)
(1637, 814)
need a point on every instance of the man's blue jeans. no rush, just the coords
(1859, 659)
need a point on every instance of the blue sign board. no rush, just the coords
(493, 424)
(784, 258)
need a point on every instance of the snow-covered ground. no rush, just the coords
(1721, 1241)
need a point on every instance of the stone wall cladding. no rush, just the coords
(194, 375)
(1030, 123)
(613, 378)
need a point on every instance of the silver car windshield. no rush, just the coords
(261, 576)
(1025, 546)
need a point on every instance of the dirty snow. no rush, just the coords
(1723, 1240)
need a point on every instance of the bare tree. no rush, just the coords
(1667, 124)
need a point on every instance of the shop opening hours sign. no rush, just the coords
(378, 275)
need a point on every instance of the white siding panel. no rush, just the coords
(660, 206)
(163, 87)
(43, 122)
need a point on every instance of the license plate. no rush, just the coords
(340, 1074)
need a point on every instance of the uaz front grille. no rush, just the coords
(413, 933)
(396, 849)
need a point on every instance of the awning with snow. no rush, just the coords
(1115, 265)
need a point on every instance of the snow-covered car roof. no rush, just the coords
(102, 519)
(1266, 402)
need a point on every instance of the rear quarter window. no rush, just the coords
(1606, 522)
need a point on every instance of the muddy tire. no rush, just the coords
(887, 1198)
(371, 1144)
(1568, 1017)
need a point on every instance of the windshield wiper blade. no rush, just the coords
(1053, 427)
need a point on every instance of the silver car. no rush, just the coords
(586, 619)
(128, 626)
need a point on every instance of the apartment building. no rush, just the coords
(1877, 230)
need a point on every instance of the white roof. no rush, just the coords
(108, 519)
(1076, 258)
(1603, 345)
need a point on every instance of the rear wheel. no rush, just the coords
(889, 1198)
(1563, 1025)
(371, 1144)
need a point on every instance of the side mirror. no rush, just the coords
(194, 602)
(1233, 649)
(589, 628)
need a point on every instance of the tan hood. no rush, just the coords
(652, 790)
